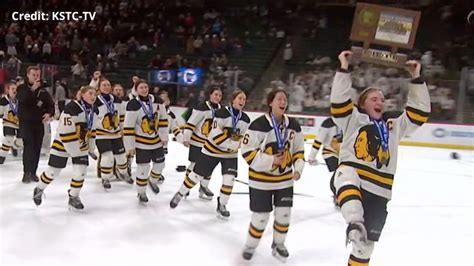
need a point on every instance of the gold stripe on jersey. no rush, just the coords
(198, 139)
(254, 232)
(220, 138)
(129, 131)
(100, 132)
(354, 261)
(213, 149)
(268, 178)
(344, 109)
(58, 146)
(6, 147)
(368, 174)
(122, 118)
(417, 116)
(45, 179)
(249, 156)
(148, 141)
(9, 121)
(281, 228)
(189, 126)
(227, 190)
(163, 123)
(69, 137)
(77, 184)
(298, 155)
(347, 193)
(176, 131)
(317, 144)
(141, 182)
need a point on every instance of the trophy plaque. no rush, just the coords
(389, 27)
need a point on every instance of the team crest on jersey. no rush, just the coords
(271, 150)
(150, 126)
(83, 135)
(236, 135)
(12, 118)
(206, 127)
(368, 148)
(111, 122)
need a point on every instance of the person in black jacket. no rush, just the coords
(35, 108)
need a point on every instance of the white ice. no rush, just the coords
(429, 221)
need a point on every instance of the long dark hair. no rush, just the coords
(272, 96)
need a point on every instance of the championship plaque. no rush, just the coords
(389, 27)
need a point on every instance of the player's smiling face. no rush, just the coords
(142, 89)
(105, 87)
(239, 101)
(374, 104)
(216, 96)
(279, 104)
(89, 96)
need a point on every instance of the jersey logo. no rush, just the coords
(111, 122)
(286, 158)
(206, 127)
(367, 147)
(12, 118)
(83, 135)
(150, 126)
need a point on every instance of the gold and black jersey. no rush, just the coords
(224, 140)
(8, 115)
(173, 123)
(260, 144)
(109, 124)
(73, 139)
(140, 130)
(329, 138)
(199, 124)
(361, 147)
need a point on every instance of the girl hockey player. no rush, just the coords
(145, 133)
(195, 133)
(222, 145)
(274, 149)
(368, 154)
(73, 138)
(9, 114)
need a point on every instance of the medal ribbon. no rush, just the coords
(278, 129)
(235, 118)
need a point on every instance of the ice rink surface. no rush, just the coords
(429, 222)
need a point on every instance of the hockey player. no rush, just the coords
(73, 139)
(368, 154)
(109, 132)
(172, 126)
(195, 134)
(145, 133)
(222, 146)
(274, 149)
(9, 114)
(330, 138)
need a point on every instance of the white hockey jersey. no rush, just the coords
(260, 144)
(145, 129)
(73, 137)
(224, 139)
(361, 147)
(329, 137)
(199, 124)
(110, 118)
(9, 112)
